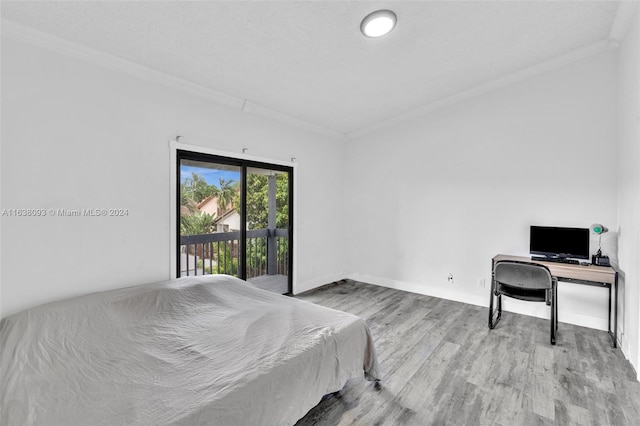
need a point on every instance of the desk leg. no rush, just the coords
(615, 313)
(613, 288)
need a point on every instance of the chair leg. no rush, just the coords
(555, 298)
(493, 319)
(491, 308)
(554, 314)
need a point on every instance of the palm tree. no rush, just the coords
(197, 223)
(225, 192)
(195, 188)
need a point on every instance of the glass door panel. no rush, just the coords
(235, 218)
(209, 240)
(267, 243)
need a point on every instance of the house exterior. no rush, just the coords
(229, 222)
(210, 205)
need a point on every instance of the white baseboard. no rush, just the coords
(625, 347)
(541, 311)
(524, 308)
(440, 292)
(301, 287)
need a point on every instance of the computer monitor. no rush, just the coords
(558, 242)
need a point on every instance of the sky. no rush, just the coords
(211, 176)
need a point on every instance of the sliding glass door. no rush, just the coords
(267, 225)
(235, 218)
(209, 223)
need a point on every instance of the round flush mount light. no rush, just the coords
(378, 23)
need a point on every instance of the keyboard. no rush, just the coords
(556, 260)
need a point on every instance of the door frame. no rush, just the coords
(242, 160)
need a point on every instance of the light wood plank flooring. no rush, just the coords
(275, 283)
(442, 365)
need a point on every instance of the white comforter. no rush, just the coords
(201, 350)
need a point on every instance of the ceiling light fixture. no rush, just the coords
(378, 23)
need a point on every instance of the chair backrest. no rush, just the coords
(523, 275)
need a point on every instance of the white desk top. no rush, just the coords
(593, 273)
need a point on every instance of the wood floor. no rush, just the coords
(442, 365)
(275, 283)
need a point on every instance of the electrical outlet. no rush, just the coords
(450, 278)
(481, 282)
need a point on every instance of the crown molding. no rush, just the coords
(482, 89)
(50, 42)
(256, 109)
(105, 60)
(624, 14)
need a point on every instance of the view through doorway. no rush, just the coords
(235, 218)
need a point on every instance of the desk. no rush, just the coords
(599, 276)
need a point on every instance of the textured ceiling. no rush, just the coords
(309, 60)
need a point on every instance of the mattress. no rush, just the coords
(196, 350)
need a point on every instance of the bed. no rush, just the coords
(208, 350)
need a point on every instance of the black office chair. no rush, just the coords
(525, 281)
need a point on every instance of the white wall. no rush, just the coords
(440, 194)
(464, 183)
(77, 135)
(629, 188)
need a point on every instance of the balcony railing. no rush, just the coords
(267, 253)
